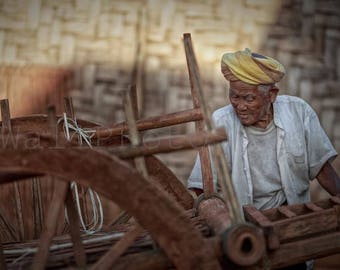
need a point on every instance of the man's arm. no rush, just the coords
(329, 179)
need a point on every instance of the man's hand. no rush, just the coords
(329, 179)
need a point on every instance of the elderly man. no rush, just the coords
(275, 143)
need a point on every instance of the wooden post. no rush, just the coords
(220, 161)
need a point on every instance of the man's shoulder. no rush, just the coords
(286, 99)
(292, 102)
(292, 107)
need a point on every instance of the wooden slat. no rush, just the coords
(255, 216)
(307, 224)
(7, 130)
(301, 251)
(37, 207)
(284, 210)
(313, 207)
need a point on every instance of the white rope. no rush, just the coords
(84, 135)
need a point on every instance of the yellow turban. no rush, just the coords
(251, 68)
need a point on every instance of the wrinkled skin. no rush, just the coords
(252, 106)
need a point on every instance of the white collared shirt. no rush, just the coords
(302, 149)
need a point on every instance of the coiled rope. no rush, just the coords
(84, 135)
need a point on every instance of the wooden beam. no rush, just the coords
(150, 123)
(170, 144)
(301, 251)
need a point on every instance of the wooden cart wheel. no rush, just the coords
(118, 181)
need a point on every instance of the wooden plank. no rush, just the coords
(309, 224)
(313, 207)
(284, 210)
(7, 130)
(301, 251)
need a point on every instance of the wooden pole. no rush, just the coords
(170, 144)
(220, 161)
(207, 176)
(150, 123)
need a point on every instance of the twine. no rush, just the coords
(84, 135)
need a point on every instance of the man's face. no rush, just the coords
(252, 106)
